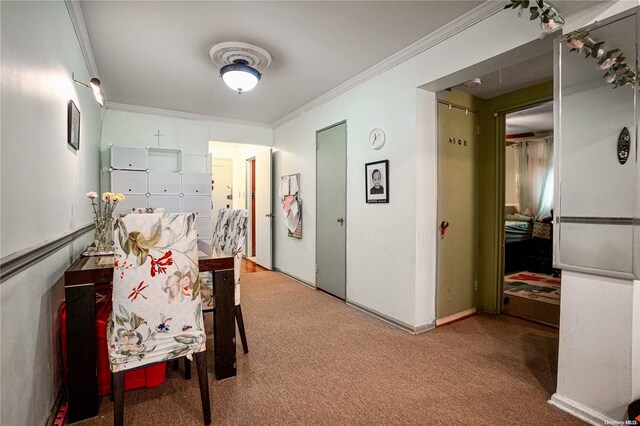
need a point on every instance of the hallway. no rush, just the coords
(315, 360)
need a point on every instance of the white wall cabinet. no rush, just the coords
(128, 182)
(154, 177)
(164, 183)
(128, 158)
(196, 183)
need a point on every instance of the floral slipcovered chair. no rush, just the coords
(228, 239)
(157, 312)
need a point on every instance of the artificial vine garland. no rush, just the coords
(612, 61)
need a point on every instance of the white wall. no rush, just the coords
(401, 233)
(190, 135)
(43, 184)
(596, 344)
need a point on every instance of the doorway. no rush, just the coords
(531, 286)
(250, 188)
(331, 233)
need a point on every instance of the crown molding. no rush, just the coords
(450, 29)
(77, 19)
(179, 114)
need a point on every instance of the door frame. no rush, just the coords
(500, 116)
(346, 221)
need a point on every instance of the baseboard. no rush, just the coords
(455, 317)
(401, 325)
(293, 277)
(424, 327)
(580, 411)
(60, 397)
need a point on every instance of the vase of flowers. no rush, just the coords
(102, 219)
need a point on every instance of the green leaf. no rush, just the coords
(119, 320)
(534, 15)
(123, 311)
(525, 4)
(540, 3)
(184, 339)
(136, 321)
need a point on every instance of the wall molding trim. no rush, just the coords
(425, 327)
(481, 12)
(19, 261)
(580, 411)
(77, 19)
(179, 114)
(401, 325)
(455, 317)
(293, 277)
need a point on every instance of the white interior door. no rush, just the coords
(264, 212)
(331, 212)
(222, 184)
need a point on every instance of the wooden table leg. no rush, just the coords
(224, 326)
(82, 381)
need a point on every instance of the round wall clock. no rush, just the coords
(376, 138)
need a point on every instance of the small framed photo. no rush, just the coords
(73, 126)
(377, 181)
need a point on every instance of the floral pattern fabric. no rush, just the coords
(157, 312)
(228, 239)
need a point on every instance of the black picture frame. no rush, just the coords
(73, 125)
(376, 192)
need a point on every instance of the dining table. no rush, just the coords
(80, 281)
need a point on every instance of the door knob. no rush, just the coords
(340, 220)
(268, 215)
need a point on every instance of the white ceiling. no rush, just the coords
(156, 53)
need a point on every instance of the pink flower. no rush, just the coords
(92, 195)
(608, 63)
(600, 53)
(575, 43)
(609, 78)
(551, 25)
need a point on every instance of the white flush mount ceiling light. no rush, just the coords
(240, 63)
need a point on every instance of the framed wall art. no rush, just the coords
(73, 126)
(376, 181)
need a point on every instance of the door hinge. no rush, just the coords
(475, 285)
(478, 129)
(316, 268)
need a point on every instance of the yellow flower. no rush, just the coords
(106, 196)
(120, 197)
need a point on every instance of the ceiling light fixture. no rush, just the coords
(94, 84)
(240, 63)
(240, 76)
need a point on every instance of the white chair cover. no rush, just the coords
(228, 239)
(157, 312)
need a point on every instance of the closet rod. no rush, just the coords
(451, 105)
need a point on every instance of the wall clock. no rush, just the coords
(377, 138)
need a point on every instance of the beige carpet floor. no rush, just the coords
(315, 361)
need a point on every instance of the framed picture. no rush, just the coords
(376, 181)
(73, 126)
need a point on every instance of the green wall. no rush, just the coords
(491, 204)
